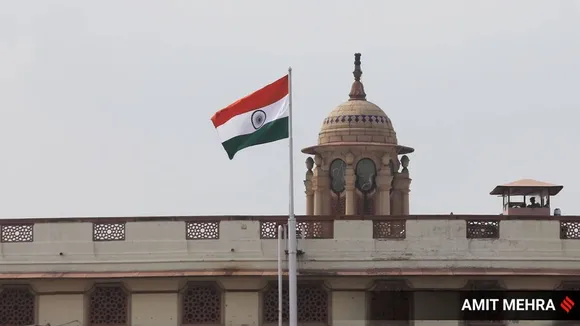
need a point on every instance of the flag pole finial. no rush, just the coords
(357, 91)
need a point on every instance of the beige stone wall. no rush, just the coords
(58, 309)
(160, 246)
(154, 309)
(242, 308)
(155, 302)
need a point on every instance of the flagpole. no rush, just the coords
(292, 268)
(280, 285)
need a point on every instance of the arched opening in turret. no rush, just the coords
(365, 183)
(337, 173)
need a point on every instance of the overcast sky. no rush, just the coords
(105, 106)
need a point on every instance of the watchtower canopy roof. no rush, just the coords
(526, 187)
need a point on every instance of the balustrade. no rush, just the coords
(308, 227)
(227, 244)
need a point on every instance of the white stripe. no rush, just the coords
(242, 124)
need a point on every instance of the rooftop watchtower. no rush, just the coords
(526, 197)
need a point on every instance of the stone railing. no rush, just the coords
(309, 227)
(225, 243)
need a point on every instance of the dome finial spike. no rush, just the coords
(357, 71)
(357, 91)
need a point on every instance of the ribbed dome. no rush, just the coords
(357, 121)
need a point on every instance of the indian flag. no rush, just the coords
(259, 118)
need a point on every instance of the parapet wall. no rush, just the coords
(248, 243)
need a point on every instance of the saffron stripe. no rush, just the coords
(263, 97)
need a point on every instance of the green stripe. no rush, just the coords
(270, 132)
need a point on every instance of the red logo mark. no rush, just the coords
(567, 304)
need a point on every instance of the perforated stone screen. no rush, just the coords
(16, 232)
(482, 229)
(569, 230)
(202, 230)
(269, 230)
(108, 231)
(304, 229)
(389, 229)
(17, 307)
(315, 229)
(201, 304)
(108, 306)
(312, 304)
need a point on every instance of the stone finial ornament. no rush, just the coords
(405, 163)
(357, 91)
(309, 173)
(309, 163)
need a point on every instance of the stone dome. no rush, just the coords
(358, 122)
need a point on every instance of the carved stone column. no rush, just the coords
(395, 200)
(324, 186)
(309, 199)
(405, 200)
(349, 186)
(308, 187)
(384, 181)
(405, 193)
(400, 196)
(318, 200)
(350, 193)
(317, 187)
(404, 185)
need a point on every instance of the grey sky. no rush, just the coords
(105, 106)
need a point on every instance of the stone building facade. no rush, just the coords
(358, 243)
